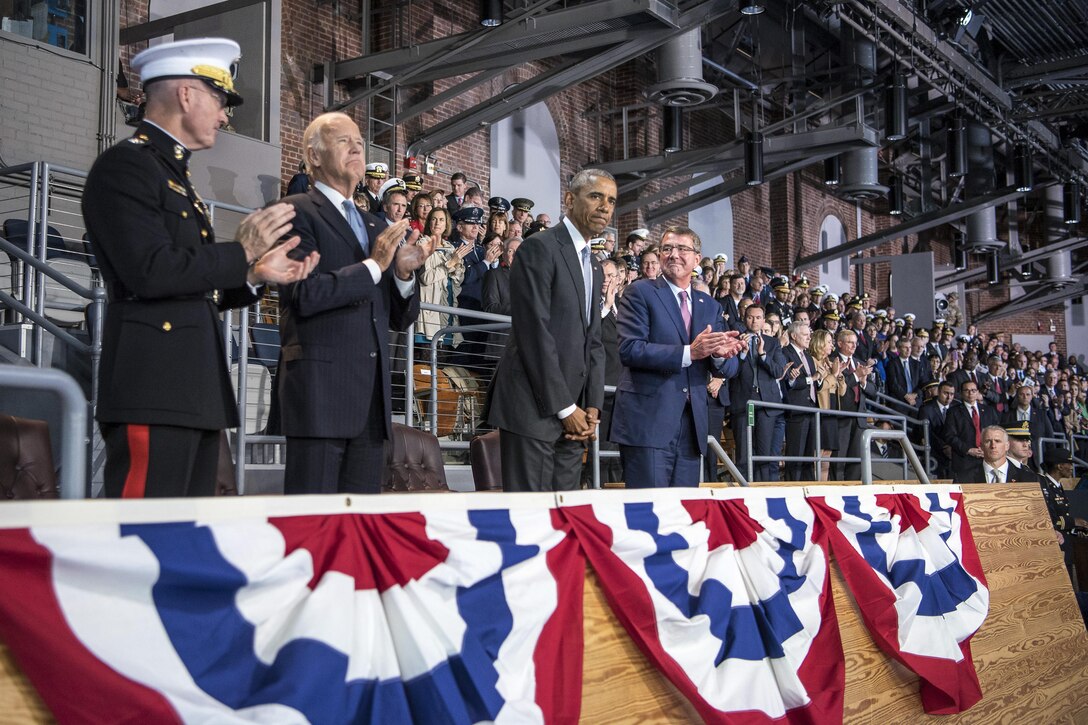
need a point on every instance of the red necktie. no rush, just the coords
(997, 389)
(978, 428)
(857, 388)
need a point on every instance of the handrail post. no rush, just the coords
(749, 423)
(243, 395)
(73, 424)
(410, 376)
(819, 462)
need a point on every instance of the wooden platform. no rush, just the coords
(1031, 654)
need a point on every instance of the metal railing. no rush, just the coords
(817, 459)
(918, 423)
(871, 434)
(74, 430)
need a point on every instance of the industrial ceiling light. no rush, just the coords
(993, 269)
(753, 158)
(956, 146)
(896, 197)
(491, 13)
(1071, 202)
(751, 7)
(895, 107)
(832, 171)
(1022, 167)
(960, 252)
(673, 129)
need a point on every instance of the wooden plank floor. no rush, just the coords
(1031, 654)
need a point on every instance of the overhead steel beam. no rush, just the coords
(1012, 308)
(553, 81)
(517, 35)
(810, 147)
(917, 224)
(667, 165)
(433, 102)
(450, 51)
(162, 26)
(1049, 71)
(729, 187)
(1035, 255)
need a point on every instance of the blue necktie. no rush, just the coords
(355, 219)
(906, 371)
(587, 278)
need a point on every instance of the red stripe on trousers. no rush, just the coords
(139, 443)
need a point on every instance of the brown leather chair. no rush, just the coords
(486, 461)
(26, 459)
(413, 462)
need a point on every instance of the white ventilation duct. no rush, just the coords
(680, 73)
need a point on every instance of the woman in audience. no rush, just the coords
(438, 199)
(442, 275)
(420, 210)
(832, 383)
(497, 227)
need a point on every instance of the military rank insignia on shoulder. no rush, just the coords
(139, 139)
(175, 186)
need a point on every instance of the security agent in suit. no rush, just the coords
(936, 411)
(496, 298)
(334, 375)
(730, 303)
(858, 385)
(960, 435)
(760, 367)
(1024, 409)
(611, 470)
(799, 387)
(995, 466)
(904, 377)
(671, 337)
(164, 390)
(548, 388)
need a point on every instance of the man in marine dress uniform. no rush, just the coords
(164, 391)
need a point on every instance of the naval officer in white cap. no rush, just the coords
(164, 393)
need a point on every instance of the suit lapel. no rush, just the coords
(664, 293)
(574, 265)
(332, 216)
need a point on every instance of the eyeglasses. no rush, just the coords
(670, 248)
(220, 99)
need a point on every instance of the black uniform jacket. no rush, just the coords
(163, 360)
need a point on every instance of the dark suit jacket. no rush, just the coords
(1039, 422)
(976, 474)
(959, 433)
(654, 387)
(554, 357)
(995, 391)
(162, 345)
(931, 411)
(496, 299)
(896, 379)
(334, 327)
(758, 372)
(796, 391)
(451, 204)
(734, 321)
(846, 400)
